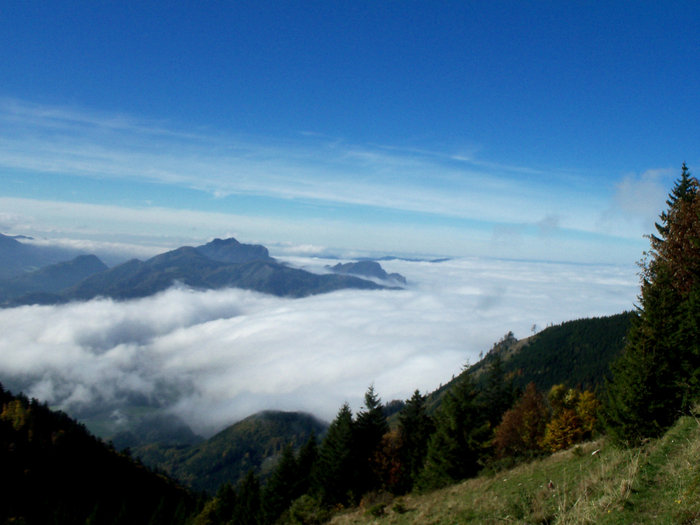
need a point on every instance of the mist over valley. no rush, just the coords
(213, 357)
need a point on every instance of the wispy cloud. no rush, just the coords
(311, 168)
(214, 357)
(140, 230)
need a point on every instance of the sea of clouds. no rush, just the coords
(214, 357)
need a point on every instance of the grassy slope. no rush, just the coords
(658, 483)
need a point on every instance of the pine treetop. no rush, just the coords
(684, 189)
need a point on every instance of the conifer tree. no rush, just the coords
(655, 378)
(682, 191)
(282, 487)
(248, 508)
(415, 428)
(498, 394)
(223, 505)
(306, 461)
(335, 473)
(455, 447)
(370, 427)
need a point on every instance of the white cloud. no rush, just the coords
(644, 194)
(214, 357)
(109, 252)
(637, 202)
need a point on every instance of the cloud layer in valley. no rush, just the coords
(214, 357)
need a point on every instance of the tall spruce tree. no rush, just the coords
(370, 427)
(335, 473)
(308, 455)
(282, 487)
(499, 392)
(248, 508)
(656, 378)
(455, 447)
(415, 428)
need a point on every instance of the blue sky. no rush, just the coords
(538, 130)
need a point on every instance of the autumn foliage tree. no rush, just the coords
(386, 463)
(522, 427)
(573, 417)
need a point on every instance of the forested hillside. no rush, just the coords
(577, 353)
(257, 442)
(253, 444)
(54, 471)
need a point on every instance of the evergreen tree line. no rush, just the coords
(360, 457)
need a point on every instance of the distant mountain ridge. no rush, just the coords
(368, 268)
(53, 278)
(219, 264)
(17, 258)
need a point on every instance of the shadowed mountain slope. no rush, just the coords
(53, 278)
(18, 257)
(54, 471)
(253, 443)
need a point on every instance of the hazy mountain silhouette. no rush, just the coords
(368, 268)
(17, 257)
(51, 279)
(218, 264)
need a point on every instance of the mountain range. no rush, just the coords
(220, 263)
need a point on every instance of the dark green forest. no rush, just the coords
(55, 471)
(254, 443)
(578, 353)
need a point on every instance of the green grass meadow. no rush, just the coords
(657, 483)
